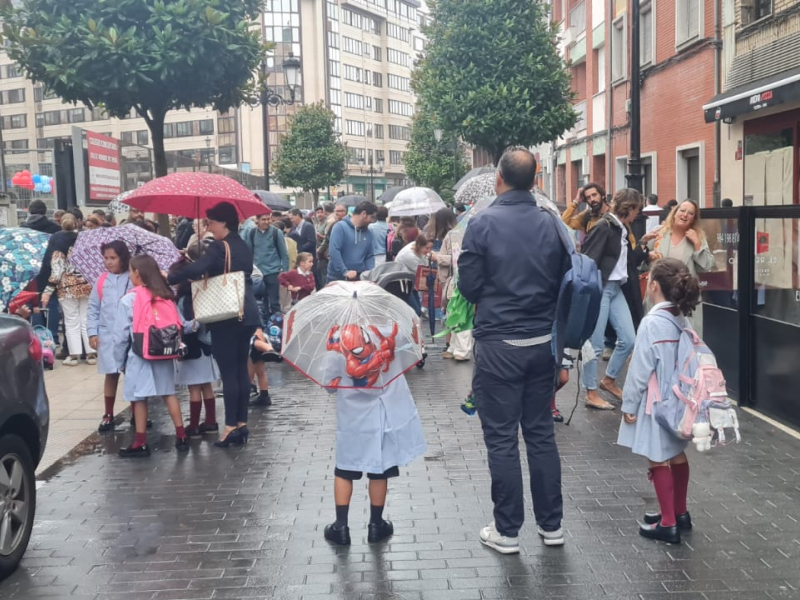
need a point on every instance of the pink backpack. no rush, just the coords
(99, 285)
(156, 327)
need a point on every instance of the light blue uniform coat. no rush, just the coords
(656, 350)
(143, 378)
(101, 317)
(195, 371)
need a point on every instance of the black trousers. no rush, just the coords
(230, 346)
(513, 387)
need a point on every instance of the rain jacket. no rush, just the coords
(101, 318)
(41, 223)
(350, 249)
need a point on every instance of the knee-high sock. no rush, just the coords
(680, 484)
(662, 482)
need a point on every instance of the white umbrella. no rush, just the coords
(117, 205)
(416, 201)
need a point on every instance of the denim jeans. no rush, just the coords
(270, 301)
(613, 309)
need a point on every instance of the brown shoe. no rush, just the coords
(593, 400)
(610, 386)
(447, 354)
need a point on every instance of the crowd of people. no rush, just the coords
(510, 267)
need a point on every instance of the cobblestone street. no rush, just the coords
(247, 522)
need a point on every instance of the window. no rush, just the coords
(368, 102)
(352, 46)
(688, 18)
(599, 68)
(12, 71)
(226, 124)
(378, 105)
(647, 34)
(15, 122)
(143, 137)
(401, 108)
(379, 156)
(77, 115)
(397, 132)
(376, 53)
(752, 11)
(333, 39)
(127, 136)
(53, 117)
(13, 96)
(206, 126)
(227, 155)
(619, 68)
(353, 154)
(396, 82)
(99, 114)
(398, 58)
(169, 130)
(352, 18)
(354, 127)
(353, 100)
(378, 131)
(38, 94)
(397, 32)
(419, 44)
(333, 67)
(352, 73)
(183, 129)
(377, 79)
(395, 157)
(689, 178)
(17, 144)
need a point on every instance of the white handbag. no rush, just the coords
(221, 297)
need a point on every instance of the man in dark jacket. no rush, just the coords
(37, 218)
(303, 233)
(511, 266)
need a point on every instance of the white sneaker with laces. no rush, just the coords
(70, 361)
(551, 538)
(501, 543)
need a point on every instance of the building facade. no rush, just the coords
(677, 59)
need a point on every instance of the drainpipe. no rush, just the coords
(717, 86)
(610, 163)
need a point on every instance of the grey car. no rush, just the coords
(24, 421)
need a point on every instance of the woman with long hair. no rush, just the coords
(682, 237)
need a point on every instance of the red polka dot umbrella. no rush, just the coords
(191, 194)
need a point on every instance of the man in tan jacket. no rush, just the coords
(595, 196)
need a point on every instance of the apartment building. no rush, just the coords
(759, 107)
(678, 76)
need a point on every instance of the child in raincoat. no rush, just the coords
(377, 431)
(674, 292)
(104, 300)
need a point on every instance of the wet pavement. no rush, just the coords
(247, 522)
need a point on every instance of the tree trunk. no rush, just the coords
(156, 125)
(497, 153)
(315, 193)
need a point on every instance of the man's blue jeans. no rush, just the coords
(613, 309)
(270, 301)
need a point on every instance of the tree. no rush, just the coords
(151, 56)
(437, 165)
(492, 74)
(310, 155)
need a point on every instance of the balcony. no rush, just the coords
(598, 112)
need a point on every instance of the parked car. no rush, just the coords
(24, 421)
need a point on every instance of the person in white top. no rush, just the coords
(653, 213)
(416, 253)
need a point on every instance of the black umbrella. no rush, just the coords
(350, 200)
(473, 173)
(391, 192)
(274, 201)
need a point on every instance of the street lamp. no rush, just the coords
(291, 72)
(372, 170)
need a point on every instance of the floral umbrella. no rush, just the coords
(191, 194)
(476, 188)
(117, 205)
(21, 254)
(474, 173)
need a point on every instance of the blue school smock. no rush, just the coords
(143, 378)
(101, 317)
(656, 350)
(195, 371)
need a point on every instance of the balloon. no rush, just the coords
(47, 188)
(37, 187)
(26, 173)
(37, 179)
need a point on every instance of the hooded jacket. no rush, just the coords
(41, 223)
(350, 249)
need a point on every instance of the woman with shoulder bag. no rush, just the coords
(230, 338)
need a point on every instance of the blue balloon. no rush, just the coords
(37, 179)
(37, 187)
(47, 188)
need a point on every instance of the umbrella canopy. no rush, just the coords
(475, 189)
(390, 193)
(87, 257)
(352, 335)
(473, 173)
(21, 254)
(273, 201)
(351, 200)
(190, 194)
(416, 201)
(117, 205)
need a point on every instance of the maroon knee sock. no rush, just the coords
(210, 405)
(109, 400)
(140, 440)
(180, 432)
(680, 483)
(662, 481)
(194, 414)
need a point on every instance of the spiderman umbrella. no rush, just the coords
(352, 335)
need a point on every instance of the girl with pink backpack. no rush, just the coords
(147, 340)
(671, 288)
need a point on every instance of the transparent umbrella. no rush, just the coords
(416, 201)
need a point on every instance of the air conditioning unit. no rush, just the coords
(628, 106)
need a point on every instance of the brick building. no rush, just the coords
(677, 57)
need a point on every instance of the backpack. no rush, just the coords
(697, 406)
(197, 343)
(99, 285)
(579, 296)
(156, 327)
(252, 238)
(274, 331)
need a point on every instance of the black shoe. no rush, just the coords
(131, 452)
(133, 423)
(182, 444)
(337, 535)
(107, 424)
(262, 399)
(557, 416)
(684, 521)
(194, 432)
(209, 428)
(377, 532)
(671, 535)
(244, 432)
(234, 438)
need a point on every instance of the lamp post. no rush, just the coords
(437, 133)
(291, 71)
(372, 170)
(634, 175)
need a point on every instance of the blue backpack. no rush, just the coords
(578, 304)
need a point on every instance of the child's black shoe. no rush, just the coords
(338, 535)
(262, 399)
(135, 451)
(377, 532)
(182, 444)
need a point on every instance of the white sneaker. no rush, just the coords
(70, 361)
(91, 359)
(503, 544)
(551, 538)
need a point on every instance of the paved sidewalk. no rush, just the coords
(247, 523)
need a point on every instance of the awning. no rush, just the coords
(771, 91)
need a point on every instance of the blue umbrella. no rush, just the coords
(21, 254)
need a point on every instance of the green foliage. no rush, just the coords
(149, 55)
(310, 156)
(430, 163)
(492, 73)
